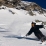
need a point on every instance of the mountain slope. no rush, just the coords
(14, 22)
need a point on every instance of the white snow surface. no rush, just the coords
(14, 25)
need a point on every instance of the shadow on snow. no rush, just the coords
(19, 37)
(3, 30)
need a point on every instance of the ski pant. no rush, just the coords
(40, 36)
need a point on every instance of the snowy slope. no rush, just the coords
(12, 25)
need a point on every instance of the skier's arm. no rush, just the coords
(40, 26)
(30, 32)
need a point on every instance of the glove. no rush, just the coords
(26, 34)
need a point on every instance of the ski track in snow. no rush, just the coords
(13, 26)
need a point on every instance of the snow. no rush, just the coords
(12, 25)
(27, 3)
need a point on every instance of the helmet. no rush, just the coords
(33, 23)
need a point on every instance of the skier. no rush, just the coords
(35, 28)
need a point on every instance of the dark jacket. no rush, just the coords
(36, 31)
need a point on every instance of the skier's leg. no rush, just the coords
(43, 39)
